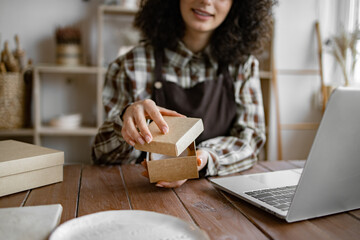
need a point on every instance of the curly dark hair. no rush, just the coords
(245, 30)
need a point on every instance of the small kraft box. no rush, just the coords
(25, 166)
(172, 156)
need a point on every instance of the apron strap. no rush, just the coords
(159, 53)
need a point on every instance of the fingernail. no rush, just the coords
(132, 143)
(141, 141)
(147, 138)
(165, 129)
(159, 185)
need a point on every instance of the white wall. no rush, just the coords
(35, 21)
(295, 49)
(297, 65)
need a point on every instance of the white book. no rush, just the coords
(33, 222)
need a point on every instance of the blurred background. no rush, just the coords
(63, 48)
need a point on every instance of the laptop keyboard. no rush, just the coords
(277, 197)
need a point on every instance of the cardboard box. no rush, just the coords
(24, 166)
(180, 138)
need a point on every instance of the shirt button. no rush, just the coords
(158, 85)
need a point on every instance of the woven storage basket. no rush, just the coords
(12, 100)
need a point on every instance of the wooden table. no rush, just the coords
(89, 189)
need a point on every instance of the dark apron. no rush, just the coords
(213, 100)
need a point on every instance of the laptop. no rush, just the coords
(330, 180)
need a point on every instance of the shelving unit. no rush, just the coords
(41, 129)
(22, 132)
(102, 11)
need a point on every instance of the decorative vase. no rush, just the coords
(68, 54)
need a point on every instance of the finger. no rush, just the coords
(127, 138)
(148, 106)
(145, 174)
(144, 164)
(154, 113)
(141, 124)
(174, 184)
(167, 112)
(132, 131)
(201, 158)
(198, 161)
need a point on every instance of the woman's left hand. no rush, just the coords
(201, 157)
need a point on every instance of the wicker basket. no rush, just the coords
(12, 100)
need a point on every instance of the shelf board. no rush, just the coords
(115, 9)
(300, 126)
(51, 68)
(265, 74)
(81, 131)
(17, 132)
(298, 72)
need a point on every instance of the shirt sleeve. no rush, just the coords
(109, 146)
(238, 152)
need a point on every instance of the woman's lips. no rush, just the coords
(202, 13)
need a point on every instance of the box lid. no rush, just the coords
(17, 157)
(182, 132)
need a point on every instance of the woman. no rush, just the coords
(196, 60)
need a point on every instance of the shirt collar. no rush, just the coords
(181, 56)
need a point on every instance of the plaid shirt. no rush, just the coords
(130, 77)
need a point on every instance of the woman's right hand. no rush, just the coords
(202, 158)
(135, 128)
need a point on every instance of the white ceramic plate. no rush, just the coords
(128, 225)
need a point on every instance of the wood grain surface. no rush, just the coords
(89, 189)
(102, 189)
(64, 193)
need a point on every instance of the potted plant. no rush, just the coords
(344, 49)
